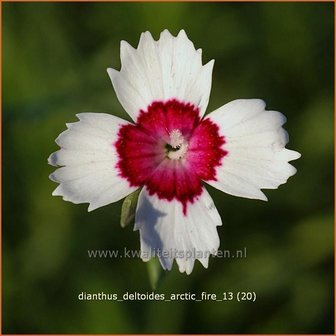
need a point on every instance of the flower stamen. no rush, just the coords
(177, 146)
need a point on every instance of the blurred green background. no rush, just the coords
(55, 57)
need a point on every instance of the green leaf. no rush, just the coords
(128, 209)
(155, 272)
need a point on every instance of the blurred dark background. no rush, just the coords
(55, 57)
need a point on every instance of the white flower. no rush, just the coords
(171, 149)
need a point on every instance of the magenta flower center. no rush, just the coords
(170, 150)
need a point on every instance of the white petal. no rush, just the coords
(88, 159)
(166, 230)
(161, 70)
(255, 142)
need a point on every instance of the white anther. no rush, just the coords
(179, 144)
(176, 138)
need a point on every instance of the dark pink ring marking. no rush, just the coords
(142, 151)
